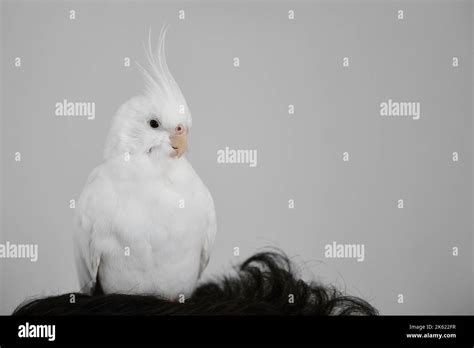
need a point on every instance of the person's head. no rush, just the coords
(265, 284)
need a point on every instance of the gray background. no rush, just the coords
(283, 62)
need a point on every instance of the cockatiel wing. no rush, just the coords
(209, 237)
(93, 211)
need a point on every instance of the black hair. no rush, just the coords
(265, 284)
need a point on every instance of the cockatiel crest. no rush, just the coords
(145, 222)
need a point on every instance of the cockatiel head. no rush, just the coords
(157, 122)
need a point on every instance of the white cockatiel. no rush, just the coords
(145, 222)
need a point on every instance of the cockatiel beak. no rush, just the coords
(179, 140)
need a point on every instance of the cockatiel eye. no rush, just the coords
(154, 123)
